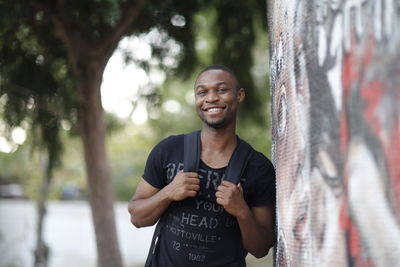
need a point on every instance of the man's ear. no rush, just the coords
(241, 95)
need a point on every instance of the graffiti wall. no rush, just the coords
(335, 79)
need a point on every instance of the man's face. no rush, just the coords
(217, 96)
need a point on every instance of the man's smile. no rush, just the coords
(213, 109)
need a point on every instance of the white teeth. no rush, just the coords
(214, 110)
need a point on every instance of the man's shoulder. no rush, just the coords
(167, 148)
(258, 158)
(260, 168)
(171, 140)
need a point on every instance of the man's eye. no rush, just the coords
(201, 93)
(222, 90)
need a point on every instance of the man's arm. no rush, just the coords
(256, 223)
(149, 202)
(257, 228)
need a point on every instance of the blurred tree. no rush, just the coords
(53, 54)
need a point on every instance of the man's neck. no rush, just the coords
(218, 140)
(217, 146)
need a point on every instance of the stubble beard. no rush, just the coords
(214, 123)
(217, 124)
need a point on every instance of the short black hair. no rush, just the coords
(221, 67)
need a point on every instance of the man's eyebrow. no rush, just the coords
(199, 86)
(222, 83)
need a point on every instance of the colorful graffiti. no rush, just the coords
(335, 79)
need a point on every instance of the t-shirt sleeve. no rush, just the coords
(153, 171)
(265, 189)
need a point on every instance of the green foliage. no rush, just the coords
(174, 19)
(37, 84)
(99, 16)
(128, 150)
(238, 33)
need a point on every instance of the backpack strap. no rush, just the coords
(191, 152)
(154, 242)
(238, 162)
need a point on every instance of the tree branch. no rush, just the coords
(71, 38)
(110, 39)
(79, 48)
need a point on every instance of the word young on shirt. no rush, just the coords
(210, 206)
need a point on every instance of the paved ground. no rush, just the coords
(69, 233)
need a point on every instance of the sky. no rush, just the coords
(121, 81)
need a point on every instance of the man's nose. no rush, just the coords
(212, 96)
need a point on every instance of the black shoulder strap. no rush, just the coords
(237, 163)
(192, 149)
(154, 242)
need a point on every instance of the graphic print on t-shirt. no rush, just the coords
(197, 227)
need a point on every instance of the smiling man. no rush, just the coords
(205, 219)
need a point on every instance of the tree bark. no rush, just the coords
(42, 250)
(93, 132)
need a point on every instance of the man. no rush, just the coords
(207, 220)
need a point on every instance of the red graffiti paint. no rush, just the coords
(372, 95)
(349, 72)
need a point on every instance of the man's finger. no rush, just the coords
(219, 194)
(220, 201)
(193, 180)
(193, 187)
(221, 188)
(227, 183)
(192, 174)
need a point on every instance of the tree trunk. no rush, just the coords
(93, 132)
(42, 250)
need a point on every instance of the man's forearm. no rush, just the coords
(149, 203)
(147, 211)
(256, 239)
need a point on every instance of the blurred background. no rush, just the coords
(87, 88)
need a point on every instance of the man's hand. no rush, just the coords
(230, 196)
(184, 184)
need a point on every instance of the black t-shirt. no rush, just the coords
(197, 230)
